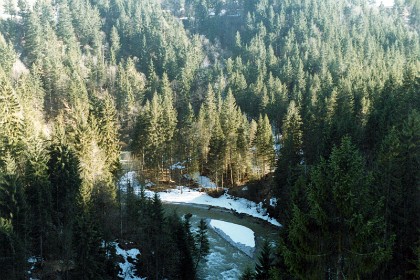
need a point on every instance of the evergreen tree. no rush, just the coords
(265, 262)
(10, 252)
(39, 200)
(397, 176)
(87, 244)
(115, 45)
(216, 156)
(8, 55)
(248, 274)
(63, 168)
(11, 115)
(342, 233)
(202, 246)
(230, 120)
(290, 159)
(12, 218)
(264, 145)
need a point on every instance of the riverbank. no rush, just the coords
(182, 194)
(226, 201)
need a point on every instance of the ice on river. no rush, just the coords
(238, 233)
(238, 236)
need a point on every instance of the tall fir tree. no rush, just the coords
(341, 234)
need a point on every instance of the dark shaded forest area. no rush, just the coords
(324, 95)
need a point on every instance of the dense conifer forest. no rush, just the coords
(318, 99)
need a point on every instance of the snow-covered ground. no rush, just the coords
(239, 236)
(127, 268)
(187, 195)
(203, 181)
(239, 205)
(33, 261)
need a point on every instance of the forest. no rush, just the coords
(316, 102)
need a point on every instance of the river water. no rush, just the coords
(224, 260)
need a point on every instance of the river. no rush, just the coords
(224, 260)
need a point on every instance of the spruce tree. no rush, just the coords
(217, 155)
(230, 120)
(341, 234)
(202, 246)
(265, 262)
(264, 145)
(12, 220)
(291, 158)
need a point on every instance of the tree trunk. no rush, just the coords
(339, 259)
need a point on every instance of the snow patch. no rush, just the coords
(177, 166)
(203, 181)
(273, 202)
(33, 261)
(187, 195)
(149, 184)
(128, 269)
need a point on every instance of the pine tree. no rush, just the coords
(154, 133)
(8, 55)
(11, 267)
(397, 179)
(11, 117)
(264, 145)
(248, 274)
(34, 37)
(216, 155)
(115, 45)
(38, 198)
(65, 29)
(202, 246)
(291, 158)
(230, 120)
(265, 262)
(109, 133)
(342, 233)
(187, 140)
(12, 220)
(205, 122)
(65, 182)
(168, 120)
(87, 245)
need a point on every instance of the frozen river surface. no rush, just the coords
(225, 261)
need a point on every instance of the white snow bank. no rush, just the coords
(239, 205)
(187, 195)
(238, 233)
(128, 269)
(203, 181)
(178, 165)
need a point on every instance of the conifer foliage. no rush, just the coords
(321, 94)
